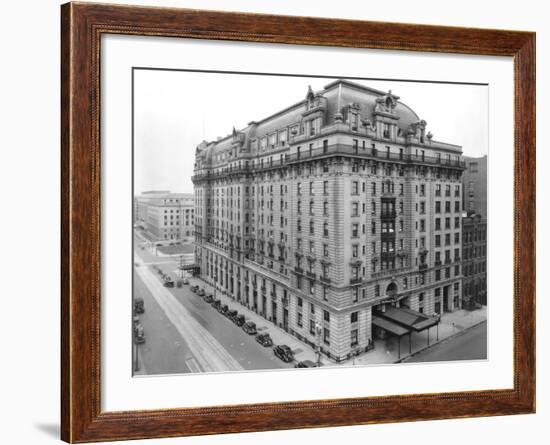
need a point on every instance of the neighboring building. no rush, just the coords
(474, 183)
(474, 264)
(329, 213)
(165, 215)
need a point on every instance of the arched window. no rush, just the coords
(391, 289)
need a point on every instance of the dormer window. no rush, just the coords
(386, 131)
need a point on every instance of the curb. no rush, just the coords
(443, 340)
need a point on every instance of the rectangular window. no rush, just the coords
(326, 336)
(354, 336)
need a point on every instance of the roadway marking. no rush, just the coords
(210, 355)
(192, 365)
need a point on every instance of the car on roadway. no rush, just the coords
(185, 281)
(139, 334)
(194, 289)
(231, 313)
(284, 353)
(239, 320)
(264, 339)
(168, 282)
(201, 292)
(216, 304)
(139, 305)
(250, 328)
(306, 364)
(223, 309)
(209, 298)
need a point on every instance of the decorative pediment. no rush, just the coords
(386, 103)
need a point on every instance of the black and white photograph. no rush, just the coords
(292, 221)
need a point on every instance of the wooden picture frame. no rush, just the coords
(82, 26)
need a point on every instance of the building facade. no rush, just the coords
(474, 183)
(165, 215)
(474, 266)
(330, 211)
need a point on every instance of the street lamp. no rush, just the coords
(318, 331)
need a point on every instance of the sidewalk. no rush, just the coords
(384, 352)
(452, 323)
(301, 350)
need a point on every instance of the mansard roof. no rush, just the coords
(337, 95)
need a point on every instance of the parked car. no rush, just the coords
(194, 289)
(231, 313)
(201, 292)
(216, 304)
(223, 309)
(239, 320)
(185, 281)
(139, 305)
(264, 339)
(284, 353)
(209, 298)
(305, 364)
(168, 282)
(250, 328)
(139, 334)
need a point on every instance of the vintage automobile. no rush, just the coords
(139, 305)
(305, 364)
(139, 334)
(264, 339)
(168, 282)
(216, 304)
(185, 281)
(201, 292)
(223, 308)
(231, 313)
(194, 289)
(284, 353)
(239, 319)
(250, 328)
(209, 298)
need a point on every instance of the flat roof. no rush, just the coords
(409, 318)
(390, 326)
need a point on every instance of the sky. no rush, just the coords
(175, 110)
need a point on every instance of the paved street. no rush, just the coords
(470, 345)
(185, 334)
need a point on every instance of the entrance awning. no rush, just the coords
(389, 326)
(409, 319)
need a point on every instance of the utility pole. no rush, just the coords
(181, 267)
(136, 358)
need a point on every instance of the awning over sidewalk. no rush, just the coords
(409, 319)
(389, 326)
(403, 321)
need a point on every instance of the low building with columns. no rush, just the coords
(331, 213)
(165, 216)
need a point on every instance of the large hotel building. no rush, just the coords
(331, 212)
